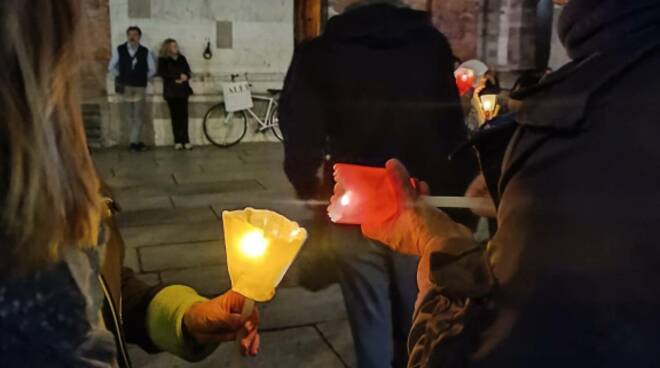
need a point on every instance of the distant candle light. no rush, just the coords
(254, 244)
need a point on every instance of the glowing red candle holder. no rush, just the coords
(366, 195)
(464, 80)
(362, 195)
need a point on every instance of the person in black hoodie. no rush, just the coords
(175, 71)
(377, 84)
(571, 277)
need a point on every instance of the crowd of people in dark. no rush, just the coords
(566, 277)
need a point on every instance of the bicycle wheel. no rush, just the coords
(224, 129)
(275, 121)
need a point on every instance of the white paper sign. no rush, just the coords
(237, 96)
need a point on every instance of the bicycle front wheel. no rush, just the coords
(275, 121)
(222, 128)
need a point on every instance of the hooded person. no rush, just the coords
(377, 84)
(570, 277)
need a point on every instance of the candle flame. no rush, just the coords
(254, 244)
(345, 200)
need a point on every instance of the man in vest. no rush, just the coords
(132, 66)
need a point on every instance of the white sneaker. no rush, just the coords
(178, 147)
(188, 146)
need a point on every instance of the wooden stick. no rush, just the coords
(237, 359)
(459, 202)
(440, 202)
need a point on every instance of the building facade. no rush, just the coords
(257, 37)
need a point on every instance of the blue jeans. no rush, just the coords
(379, 288)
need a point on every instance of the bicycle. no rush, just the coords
(226, 128)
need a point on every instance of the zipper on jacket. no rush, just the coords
(117, 324)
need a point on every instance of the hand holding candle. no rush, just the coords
(261, 245)
(415, 226)
(368, 195)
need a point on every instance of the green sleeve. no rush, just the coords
(165, 322)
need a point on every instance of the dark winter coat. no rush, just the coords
(378, 84)
(170, 70)
(571, 276)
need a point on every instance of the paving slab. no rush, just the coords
(131, 259)
(176, 256)
(130, 202)
(137, 236)
(173, 189)
(208, 280)
(130, 170)
(300, 347)
(298, 307)
(165, 216)
(151, 279)
(338, 335)
(119, 183)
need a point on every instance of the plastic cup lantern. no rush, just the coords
(261, 245)
(468, 74)
(365, 195)
(488, 101)
(464, 80)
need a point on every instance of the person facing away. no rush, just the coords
(570, 279)
(377, 84)
(174, 69)
(132, 65)
(63, 287)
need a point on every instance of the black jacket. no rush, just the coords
(378, 84)
(170, 70)
(571, 277)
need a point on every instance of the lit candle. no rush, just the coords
(260, 246)
(345, 199)
(254, 244)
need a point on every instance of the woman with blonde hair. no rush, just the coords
(175, 71)
(50, 206)
(62, 284)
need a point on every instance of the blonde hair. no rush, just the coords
(49, 190)
(165, 47)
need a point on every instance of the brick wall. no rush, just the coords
(459, 21)
(96, 48)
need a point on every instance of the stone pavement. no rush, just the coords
(171, 206)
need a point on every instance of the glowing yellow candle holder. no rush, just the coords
(261, 245)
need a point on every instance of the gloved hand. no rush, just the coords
(418, 229)
(219, 320)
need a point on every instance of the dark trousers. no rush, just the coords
(179, 113)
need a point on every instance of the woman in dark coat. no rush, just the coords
(175, 71)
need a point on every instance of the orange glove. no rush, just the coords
(418, 228)
(219, 320)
